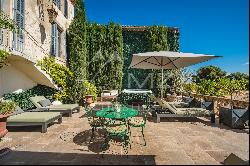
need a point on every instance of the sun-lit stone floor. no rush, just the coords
(173, 141)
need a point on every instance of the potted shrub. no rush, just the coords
(231, 116)
(6, 109)
(89, 92)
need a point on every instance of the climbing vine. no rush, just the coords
(105, 55)
(155, 38)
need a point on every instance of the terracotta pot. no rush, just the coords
(89, 99)
(3, 120)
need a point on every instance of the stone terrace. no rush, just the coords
(182, 141)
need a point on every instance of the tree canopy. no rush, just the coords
(209, 73)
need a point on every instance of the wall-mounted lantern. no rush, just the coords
(52, 14)
(73, 2)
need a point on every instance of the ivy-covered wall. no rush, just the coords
(155, 38)
(105, 54)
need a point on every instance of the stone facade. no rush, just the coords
(37, 28)
(37, 36)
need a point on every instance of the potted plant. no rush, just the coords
(89, 92)
(6, 110)
(231, 116)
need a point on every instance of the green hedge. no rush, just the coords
(105, 55)
(127, 98)
(155, 38)
(22, 99)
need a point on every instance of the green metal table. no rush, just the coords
(111, 113)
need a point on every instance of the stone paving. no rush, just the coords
(173, 141)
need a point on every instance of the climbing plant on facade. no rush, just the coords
(105, 55)
(155, 38)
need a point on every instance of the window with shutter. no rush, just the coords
(57, 3)
(66, 8)
(55, 40)
(19, 13)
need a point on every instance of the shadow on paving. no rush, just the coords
(193, 120)
(28, 128)
(28, 158)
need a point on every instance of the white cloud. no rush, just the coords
(247, 63)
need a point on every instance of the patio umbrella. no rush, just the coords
(167, 60)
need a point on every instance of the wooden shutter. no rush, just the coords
(54, 40)
(66, 8)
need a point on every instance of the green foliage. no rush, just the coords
(155, 38)
(127, 98)
(238, 76)
(60, 74)
(77, 42)
(158, 37)
(22, 99)
(244, 78)
(7, 107)
(6, 23)
(89, 89)
(230, 86)
(190, 87)
(209, 73)
(207, 87)
(105, 55)
(3, 56)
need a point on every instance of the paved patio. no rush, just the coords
(173, 141)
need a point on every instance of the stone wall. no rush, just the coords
(37, 30)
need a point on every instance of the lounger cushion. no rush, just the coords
(63, 107)
(18, 111)
(45, 103)
(34, 117)
(193, 111)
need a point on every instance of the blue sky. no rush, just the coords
(218, 27)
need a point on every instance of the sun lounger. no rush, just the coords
(34, 119)
(63, 109)
(166, 109)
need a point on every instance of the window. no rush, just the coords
(57, 3)
(56, 40)
(66, 8)
(18, 38)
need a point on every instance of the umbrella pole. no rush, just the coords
(161, 83)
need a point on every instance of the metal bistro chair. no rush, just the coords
(94, 121)
(116, 129)
(139, 121)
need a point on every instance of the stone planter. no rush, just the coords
(89, 99)
(3, 120)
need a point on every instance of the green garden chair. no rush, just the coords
(139, 121)
(116, 130)
(94, 121)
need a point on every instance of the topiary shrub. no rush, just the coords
(22, 99)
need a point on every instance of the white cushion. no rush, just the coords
(56, 102)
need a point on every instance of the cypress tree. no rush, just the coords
(77, 42)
